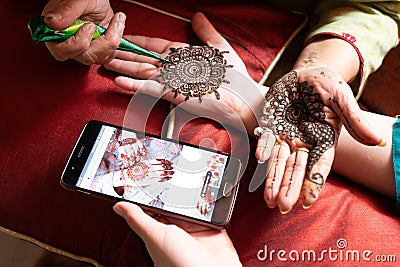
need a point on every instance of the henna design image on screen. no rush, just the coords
(194, 71)
(292, 110)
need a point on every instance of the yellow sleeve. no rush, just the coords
(371, 27)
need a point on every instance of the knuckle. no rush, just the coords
(80, 41)
(111, 42)
(295, 168)
(98, 57)
(67, 5)
(86, 58)
(148, 72)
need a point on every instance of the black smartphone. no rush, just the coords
(161, 175)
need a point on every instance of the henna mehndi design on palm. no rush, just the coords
(293, 111)
(194, 71)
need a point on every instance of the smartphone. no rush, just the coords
(161, 175)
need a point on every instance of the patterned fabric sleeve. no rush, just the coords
(371, 27)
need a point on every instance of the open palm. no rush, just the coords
(239, 97)
(305, 110)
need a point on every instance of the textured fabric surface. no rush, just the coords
(46, 103)
(382, 94)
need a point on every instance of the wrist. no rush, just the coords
(331, 52)
(250, 117)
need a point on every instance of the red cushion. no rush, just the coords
(45, 103)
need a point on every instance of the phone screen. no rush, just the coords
(167, 175)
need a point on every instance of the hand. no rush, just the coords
(59, 14)
(234, 107)
(187, 245)
(305, 109)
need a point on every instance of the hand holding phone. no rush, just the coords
(202, 246)
(161, 175)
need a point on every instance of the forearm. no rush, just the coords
(371, 166)
(370, 28)
(331, 52)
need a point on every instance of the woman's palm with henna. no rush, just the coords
(305, 110)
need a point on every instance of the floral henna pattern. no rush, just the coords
(194, 71)
(292, 110)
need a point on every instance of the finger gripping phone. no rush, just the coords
(161, 175)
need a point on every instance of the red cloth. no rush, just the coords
(45, 103)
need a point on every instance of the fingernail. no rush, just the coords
(117, 209)
(260, 162)
(382, 143)
(49, 17)
(271, 206)
(121, 16)
(283, 212)
(52, 16)
(121, 19)
(306, 207)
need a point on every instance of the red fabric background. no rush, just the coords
(45, 103)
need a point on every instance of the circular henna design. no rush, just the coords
(194, 71)
(138, 171)
(292, 110)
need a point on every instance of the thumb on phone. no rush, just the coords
(144, 225)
